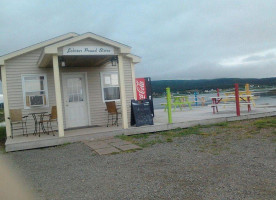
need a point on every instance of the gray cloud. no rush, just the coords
(174, 38)
(260, 58)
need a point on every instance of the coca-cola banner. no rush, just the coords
(141, 90)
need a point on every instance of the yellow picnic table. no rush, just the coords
(179, 101)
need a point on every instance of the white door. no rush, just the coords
(75, 100)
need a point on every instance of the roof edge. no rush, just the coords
(52, 49)
(135, 59)
(36, 46)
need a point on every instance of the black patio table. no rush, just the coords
(40, 116)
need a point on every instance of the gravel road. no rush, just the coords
(187, 168)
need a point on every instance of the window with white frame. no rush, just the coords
(110, 86)
(35, 91)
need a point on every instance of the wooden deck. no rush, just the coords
(184, 119)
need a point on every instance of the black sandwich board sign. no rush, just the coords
(141, 113)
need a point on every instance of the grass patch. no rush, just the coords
(141, 140)
(124, 137)
(221, 124)
(169, 140)
(2, 138)
(149, 139)
(2, 135)
(2, 117)
(146, 143)
(189, 131)
(65, 144)
(140, 136)
(131, 137)
(265, 123)
(181, 132)
(217, 136)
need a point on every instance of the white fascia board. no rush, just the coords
(135, 59)
(53, 49)
(36, 46)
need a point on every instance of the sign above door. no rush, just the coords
(88, 50)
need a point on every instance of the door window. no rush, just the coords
(74, 90)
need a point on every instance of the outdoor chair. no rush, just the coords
(112, 113)
(52, 117)
(17, 118)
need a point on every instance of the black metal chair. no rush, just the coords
(17, 118)
(51, 118)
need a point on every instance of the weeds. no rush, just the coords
(150, 143)
(169, 140)
(221, 124)
(265, 123)
(237, 130)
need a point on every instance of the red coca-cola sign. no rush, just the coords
(141, 90)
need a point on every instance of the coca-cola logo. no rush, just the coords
(141, 90)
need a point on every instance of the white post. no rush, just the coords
(133, 80)
(122, 92)
(58, 96)
(6, 103)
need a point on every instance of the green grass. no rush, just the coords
(125, 137)
(65, 144)
(252, 127)
(2, 138)
(265, 122)
(169, 140)
(144, 140)
(140, 136)
(2, 117)
(146, 143)
(180, 132)
(221, 124)
(2, 134)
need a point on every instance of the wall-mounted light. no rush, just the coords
(62, 62)
(114, 60)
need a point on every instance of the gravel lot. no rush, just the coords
(219, 163)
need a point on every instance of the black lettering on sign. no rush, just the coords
(104, 50)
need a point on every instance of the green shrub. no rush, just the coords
(2, 134)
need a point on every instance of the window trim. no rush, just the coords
(102, 85)
(24, 90)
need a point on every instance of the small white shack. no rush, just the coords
(75, 73)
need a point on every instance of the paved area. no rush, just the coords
(201, 113)
(239, 164)
(110, 145)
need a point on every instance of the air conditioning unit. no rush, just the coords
(37, 100)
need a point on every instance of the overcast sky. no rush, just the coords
(176, 39)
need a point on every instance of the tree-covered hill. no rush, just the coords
(159, 87)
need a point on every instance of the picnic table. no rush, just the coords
(178, 101)
(244, 100)
(241, 93)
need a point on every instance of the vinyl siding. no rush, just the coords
(26, 64)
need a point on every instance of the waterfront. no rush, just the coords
(267, 97)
